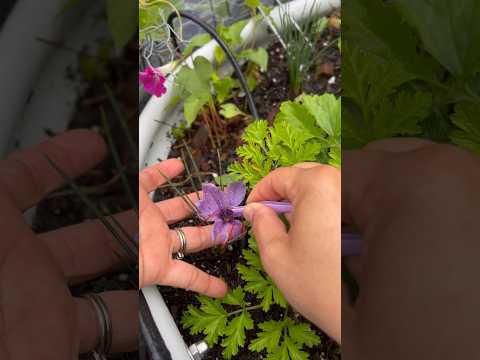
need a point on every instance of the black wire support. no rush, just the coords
(211, 31)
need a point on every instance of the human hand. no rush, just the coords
(305, 261)
(41, 318)
(416, 206)
(158, 243)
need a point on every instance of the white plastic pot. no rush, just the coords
(36, 93)
(154, 143)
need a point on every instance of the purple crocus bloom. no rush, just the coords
(153, 81)
(217, 206)
(223, 208)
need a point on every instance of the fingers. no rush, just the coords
(198, 238)
(150, 178)
(360, 168)
(87, 250)
(269, 230)
(398, 144)
(278, 185)
(28, 175)
(186, 276)
(176, 209)
(123, 309)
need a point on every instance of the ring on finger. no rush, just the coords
(183, 244)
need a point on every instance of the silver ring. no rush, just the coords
(183, 244)
(105, 323)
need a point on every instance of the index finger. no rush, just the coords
(151, 177)
(278, 185)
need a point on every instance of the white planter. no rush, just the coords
(154, 143)
(36, 93)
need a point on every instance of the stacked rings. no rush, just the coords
(105, 323)
(183, 244)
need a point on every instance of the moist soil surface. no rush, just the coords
(271, 90)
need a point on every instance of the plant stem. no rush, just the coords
(248, 308)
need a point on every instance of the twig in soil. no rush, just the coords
(187, 169)
(116, 159)
(194, 164)
(132, 252)
(180, 193)
(122, 120)
(219, 168)
(87, 190)
(183, 182)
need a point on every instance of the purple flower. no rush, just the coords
(223, 208)
(153, 81)
(217, 206)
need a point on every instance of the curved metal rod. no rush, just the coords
(211, 31)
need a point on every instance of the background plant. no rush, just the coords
(424, 84)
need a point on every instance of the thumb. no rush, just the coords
(270, 232)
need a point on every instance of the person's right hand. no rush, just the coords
(305, 261)
(416, 205)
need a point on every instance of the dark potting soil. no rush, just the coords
(103, 186)
(272, 89)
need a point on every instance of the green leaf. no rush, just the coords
(299, 117)
(122, 19)
(262, 287)
(211, 319)
(229, 111)
(219, 55)
(252, 258)
(302, 334)
(294, 350)
(326, 110)
(269, 338)
(258, 56)
(195, 42)
(192, 107)
(235, 297)
(467, 119)
(442, 26)
(252, 4)
(235, 334)
(224, 87)
(203, 69)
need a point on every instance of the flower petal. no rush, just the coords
(223, 232)
(212, 203)
(219, 232)
(235, 193)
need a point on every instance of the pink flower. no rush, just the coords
(153, 81)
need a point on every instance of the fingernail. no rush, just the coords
(249, 212)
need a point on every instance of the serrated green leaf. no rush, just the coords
(295, 351)
(235, 297)
(230, 110)
(302, 334)
(262, 287)
(235, 334)
(326, 110)
(252, 258)
(258, 56)
(467, 119)
(299, 117)
(211, 319)
(269, 338)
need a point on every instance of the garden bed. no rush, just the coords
(272, 89)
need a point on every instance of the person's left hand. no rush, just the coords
(158, 242)
(40, 319)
